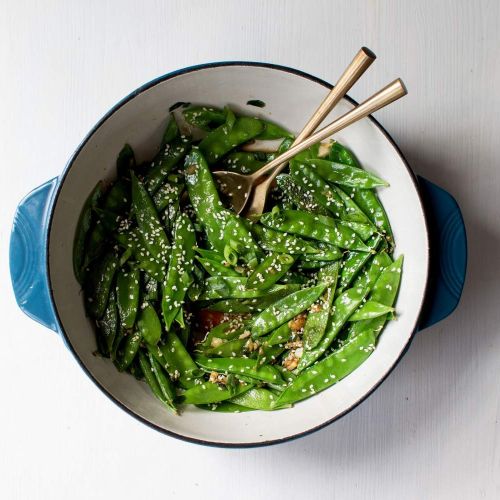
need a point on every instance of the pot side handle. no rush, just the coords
(448, 258)
(28, 254)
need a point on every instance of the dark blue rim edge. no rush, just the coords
(55, 198)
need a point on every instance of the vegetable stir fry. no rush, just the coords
(230, 314)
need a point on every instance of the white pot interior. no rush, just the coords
(140, 122)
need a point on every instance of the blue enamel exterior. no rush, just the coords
(448, 259)
(28, 254)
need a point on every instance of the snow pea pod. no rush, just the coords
(178, 276)
(353, 212)
(260, 303)
(275, 241)
(129, 350)
(329, 370)
(118, 198)
(241, 366)
(317, 319)
(125, 161)
(326, 253)
(166, 386)
(368, 277)
(176, 360)
(296, 195)
(229, 349)
(257, 398)
(312, 226)
(222, 287)
(285, 309)
(384, 292)
(320, 190)
(224, 332)
(281, 335)
(370, 310)
(152, 380)
(127, 294)
(216, 268)
(221, 140)
(270, 270)
(167, 194)
(345, 175)
(172, 151)
(209, 392)
(272, 131)
(244, 162)
(148, 324)
(150, 227)
(108, 325)
(364, 231)
(204, 117)
(98, 284)
(369, 203)
(83, 226)
(225, 407)
(355, 261)
(344, 305)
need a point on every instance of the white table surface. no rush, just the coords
(431, 431)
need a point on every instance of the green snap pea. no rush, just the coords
(312, 226)
(329, 370)
(221, 140)
(245, 162)
(179, 277)
(209, 392)
(368, 277)
(370, 310)
(257, 398)
(298, 196)
(222, 287)
(118, 198)
(272, 131)
(148, 324)
(256, 303)
(326, 253)
(241, 367)
(320, 190)
(129, 350)
(166, 195)
(344, 305)
(270, 270)
(172, 151)
(127, 292)
(224, 332)
(345, 175)
(229, 349)
(285, 309)
(167, 389)
(109, 324)
(82, 230)
(275, 241)
(281, 335)
(99, 283)
(174, 357)
(353, 212)
(149, 224)
(216, 268)
(384, 292)
(317, 319)
(225, 407)
(204, 117)
(355, 261)
(125, 161)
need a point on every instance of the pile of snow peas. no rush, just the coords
(230, 314)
